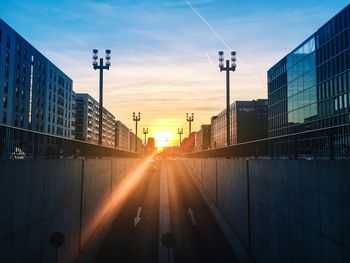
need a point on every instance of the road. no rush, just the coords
(197, 237)
(133, 239)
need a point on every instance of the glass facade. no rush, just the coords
(309, 88)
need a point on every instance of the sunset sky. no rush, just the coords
(164, 52)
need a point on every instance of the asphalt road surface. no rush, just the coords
(129, 243)
(197, 237)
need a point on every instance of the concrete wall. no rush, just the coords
(284, 210)
(39, 197)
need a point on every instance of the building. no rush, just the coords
(87, 121)
(122, 138)
(35, 94)
(132, 147)
(187, 144)
(310, 87)
(203, 138)
(248, 122)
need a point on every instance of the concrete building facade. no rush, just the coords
(87, 121)
(35, 94)
(203, 137)
(132, 148)
(122, 138)
(248, 121)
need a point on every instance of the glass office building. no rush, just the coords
(309, 88)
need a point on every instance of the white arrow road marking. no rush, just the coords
(191, 213)
(137, 219)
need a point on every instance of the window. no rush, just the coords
(8, 41)
(7, 72)
(4, 118)
(336, 104)
(6, 86)
(4, 102)
(7, 57)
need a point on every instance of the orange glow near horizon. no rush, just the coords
(164, 139)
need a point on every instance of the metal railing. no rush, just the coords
(330, 143)
(17, 143)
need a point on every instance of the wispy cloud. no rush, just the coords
(164, 51)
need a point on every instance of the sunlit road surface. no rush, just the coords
(134, 235)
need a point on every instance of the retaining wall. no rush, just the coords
(283, 210)
(39, 197)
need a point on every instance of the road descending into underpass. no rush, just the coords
(134, 235)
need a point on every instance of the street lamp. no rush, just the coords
(227, 68)
(136, 118)
(101, 67)
(145, 132)
(189, 118)
(180, 132)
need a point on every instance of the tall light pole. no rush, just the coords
(180, 132)
(145, 132)
(227, 68)
(101, 67)
(136, 118)
(189, 118)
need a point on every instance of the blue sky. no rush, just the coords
(164, 54)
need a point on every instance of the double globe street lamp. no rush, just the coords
(101, 67)
(227, 68)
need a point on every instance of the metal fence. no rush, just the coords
(329, 143)
(17, 143)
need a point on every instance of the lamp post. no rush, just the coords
(189, 118)
(136, 118)
(145, 132)
(101, 67)
(180, 132)
(227, 68)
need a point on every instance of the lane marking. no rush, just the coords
(165, 254)
(191, 213)
(137, 219)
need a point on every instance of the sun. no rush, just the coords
(163, 139)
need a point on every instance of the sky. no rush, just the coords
(164, 52)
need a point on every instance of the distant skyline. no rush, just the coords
(164, 53)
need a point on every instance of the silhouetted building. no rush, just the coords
(151, 143)
(122, 138)
(248, 123)
(132, 147)
(187, 144)
(203, 137)
(87, 121)
(310, 87)
(35, 94)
